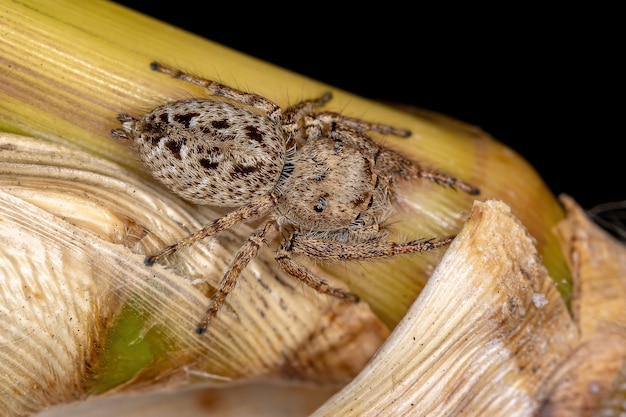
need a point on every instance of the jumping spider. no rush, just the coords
(317, 176)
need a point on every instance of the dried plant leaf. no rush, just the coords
(484, 334)
(83, 315)
(579, 385)
(598, 263)
(591, 382)
(257, 400)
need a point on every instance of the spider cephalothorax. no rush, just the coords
(315, 174)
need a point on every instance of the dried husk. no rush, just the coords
(593, 381)
(489, 335)
(258, 400)
(485, 333)
(82, 315)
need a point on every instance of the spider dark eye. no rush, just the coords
(320, 207)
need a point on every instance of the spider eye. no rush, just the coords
(320, 207)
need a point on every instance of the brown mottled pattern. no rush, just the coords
(174, 147)
(215, 146)
(220, 124)
(185, 119)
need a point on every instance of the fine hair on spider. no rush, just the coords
(315, 176)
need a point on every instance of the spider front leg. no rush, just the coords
(256, 209)
(317, 123)
(300, 272)
(327, 250)
(245, 254)
(273, 111)
(293, 116)
(392, 162)
(347, 129)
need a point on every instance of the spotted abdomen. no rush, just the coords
(211, 152)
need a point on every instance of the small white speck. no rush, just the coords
(594, 388)
(539, 300)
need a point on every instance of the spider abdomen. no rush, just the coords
(211, 152)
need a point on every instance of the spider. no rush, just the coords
(314, 176)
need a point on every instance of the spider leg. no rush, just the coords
(303, 274)
(350, 129)
(333, 251)
(256, 209)
(393, 162)
(273, 111)
(443, 179)
(317, 122)
(293, 115)
(128, 122)
(245, 254)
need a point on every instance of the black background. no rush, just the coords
(548, 83)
